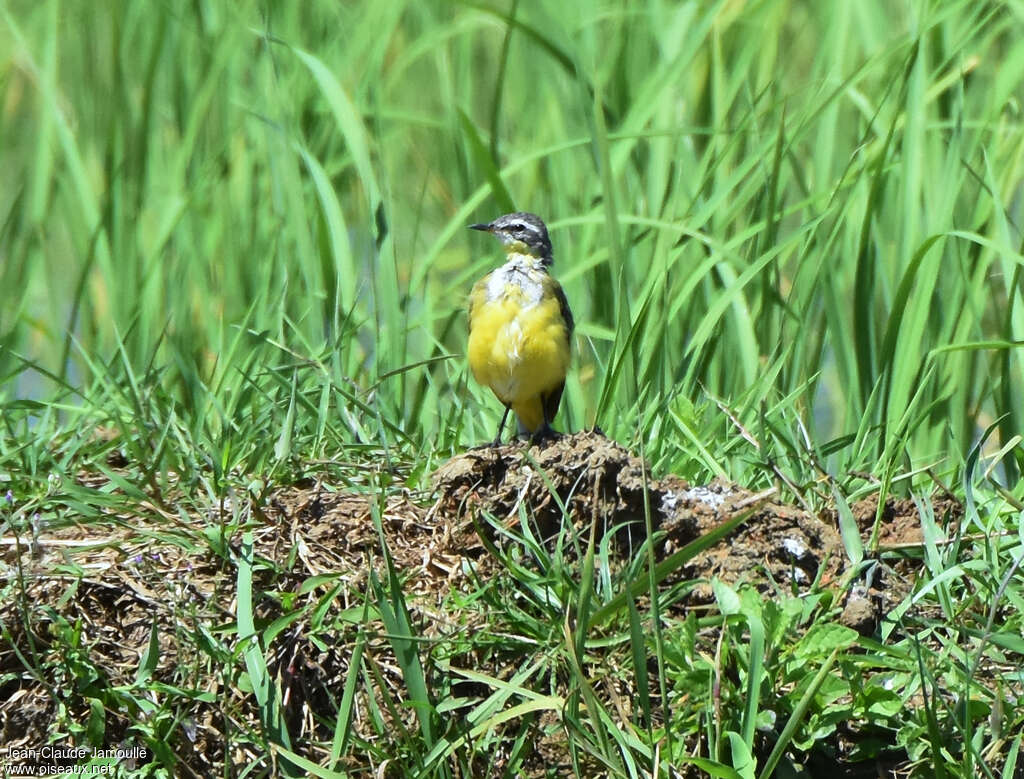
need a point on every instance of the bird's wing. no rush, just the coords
(563, 306)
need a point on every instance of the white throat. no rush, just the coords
(523, 271)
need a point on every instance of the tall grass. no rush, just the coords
(807, 209)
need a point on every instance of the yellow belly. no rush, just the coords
(521, 353)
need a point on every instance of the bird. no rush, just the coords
(520, 326)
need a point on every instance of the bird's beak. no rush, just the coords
(485, 227)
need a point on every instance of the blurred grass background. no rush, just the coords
(807, 210)
(233, 253)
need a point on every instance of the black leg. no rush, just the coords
(501, 426)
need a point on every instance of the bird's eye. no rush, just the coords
(517, 228)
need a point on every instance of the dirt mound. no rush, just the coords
(603, 487)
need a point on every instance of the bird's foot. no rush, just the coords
(544, 435)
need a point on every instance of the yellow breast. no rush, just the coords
(518, 339)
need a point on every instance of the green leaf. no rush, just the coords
(96, 725)
(150, 655)
(823, 638)
(742, 758)
(726, 597)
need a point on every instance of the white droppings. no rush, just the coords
(705, 496)
(669, 501)
(794, 547)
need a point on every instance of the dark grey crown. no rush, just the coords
(521, 227)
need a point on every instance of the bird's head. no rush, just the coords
(522, 233)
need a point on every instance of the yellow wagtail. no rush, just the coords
(520, 326)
